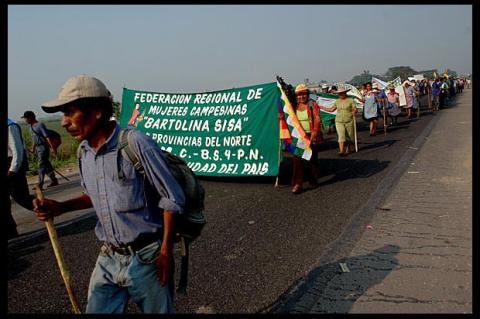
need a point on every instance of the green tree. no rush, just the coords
(365, 77)
(117, 108)
(359, 79)
(428, 73)
(400, 71)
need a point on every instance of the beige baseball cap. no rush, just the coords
(77, 87)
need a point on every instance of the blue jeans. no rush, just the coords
(44, 165)
(117, 277)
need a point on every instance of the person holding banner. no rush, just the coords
(308, 114)
(346, 111)
(393, 102)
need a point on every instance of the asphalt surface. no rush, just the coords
(258, 241)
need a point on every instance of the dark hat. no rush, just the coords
(28, 114)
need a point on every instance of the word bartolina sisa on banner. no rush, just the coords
(223, 133)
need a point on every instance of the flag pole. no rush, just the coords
(429, 93)
(279, 161)
(384, 117)
(418, 106)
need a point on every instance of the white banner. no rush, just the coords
(381, 84)
(418, 77)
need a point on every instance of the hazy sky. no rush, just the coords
(196, 48)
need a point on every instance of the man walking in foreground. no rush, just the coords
(136, 226)
(41, 144)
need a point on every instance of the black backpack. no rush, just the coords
(189, 225)
(54, 136)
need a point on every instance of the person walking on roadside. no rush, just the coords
(346, 111)
(370, 108)
(443, 97)
(308, 114)
(135, 212)
(17, 163)
(436, 94)
(409, 97)
(41, 145)
(393, 104)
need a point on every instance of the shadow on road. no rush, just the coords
(327, 289)
(341, 168)
(18, 260)
(18, 251)
(375, 145)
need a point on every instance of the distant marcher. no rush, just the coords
(363, 88)
(444, 88)
(135, 211)
(308, 114)
(17, 181)
(333, 89)
(331, 123)
(346, 111)
(461, 85)
(381, 100)
(436, 85)
(452, 86)
(410, 98)
(469, 83)
(370, 108)
(393, 102)
(324, 88)
(41, 144)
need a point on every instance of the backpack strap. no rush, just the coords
(80, 151)
(127, 151)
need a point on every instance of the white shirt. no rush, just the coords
(16, 148)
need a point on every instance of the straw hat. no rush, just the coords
(342, 89)
(301, 88)
(324, 86)
(390, 86)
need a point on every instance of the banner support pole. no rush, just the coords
(279, 160)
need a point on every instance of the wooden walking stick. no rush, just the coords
(52, 233)
(355, 133)
(429, 98)
(384, 118)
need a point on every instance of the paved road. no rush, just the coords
(258, 241)
(416, 256)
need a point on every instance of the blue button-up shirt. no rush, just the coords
(125, 206)
(39, 133)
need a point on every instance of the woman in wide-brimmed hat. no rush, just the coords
(308, 114)
(346, 110)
